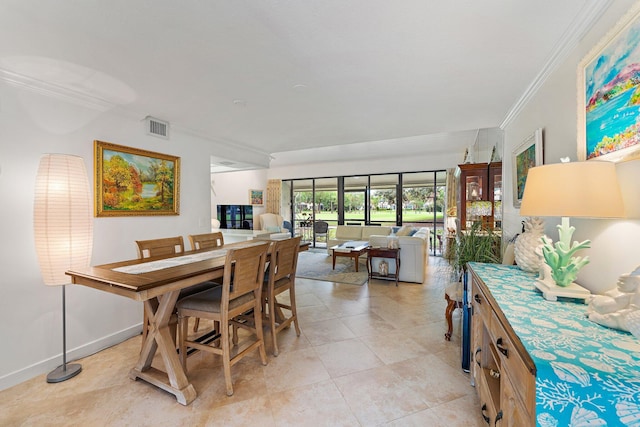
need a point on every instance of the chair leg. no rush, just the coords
(451, 305)
(226, 356)
(294, 310)
(196, 324)
(272, 325)
(257, 316)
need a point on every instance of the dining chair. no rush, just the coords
(163, 247)
(160, 247)
(153, 248)
(241, 292)
(205, 241)
(281, 278)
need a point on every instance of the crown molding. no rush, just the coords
(55, 91)
(590, 12)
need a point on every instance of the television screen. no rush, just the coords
(235, 217)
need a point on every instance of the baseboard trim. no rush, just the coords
(47, 365)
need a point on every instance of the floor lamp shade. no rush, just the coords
(62, 217)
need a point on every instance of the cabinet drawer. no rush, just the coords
(512, 363)
(480, 305)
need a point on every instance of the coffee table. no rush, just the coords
(353, 249)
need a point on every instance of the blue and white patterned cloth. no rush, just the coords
(587, 374)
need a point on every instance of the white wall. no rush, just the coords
(31, 326)
(554, 108)
(233, 188)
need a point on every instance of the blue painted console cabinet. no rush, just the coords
(539, 362)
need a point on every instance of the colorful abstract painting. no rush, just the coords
(611, 91)
(525, 157)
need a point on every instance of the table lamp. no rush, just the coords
(63, 231)
(582, 189)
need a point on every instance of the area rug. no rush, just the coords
(318, 266)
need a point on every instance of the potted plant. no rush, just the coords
(475, 245)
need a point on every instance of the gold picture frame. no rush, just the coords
(134, 182)
(609, 94)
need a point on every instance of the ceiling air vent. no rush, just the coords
(156, 127)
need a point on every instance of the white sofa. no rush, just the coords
(346, 233)
(414, 254)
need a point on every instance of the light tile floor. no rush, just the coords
(372, 355)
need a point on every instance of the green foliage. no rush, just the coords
(476, 245)
(559, 257)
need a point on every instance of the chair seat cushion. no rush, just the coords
(209, 301)
(191, 290)
(454, 290)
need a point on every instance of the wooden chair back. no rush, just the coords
(244, 272)
(282, 277)
(284, 260)
(160, 247)
(206, 241)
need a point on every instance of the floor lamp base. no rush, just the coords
(64, 372)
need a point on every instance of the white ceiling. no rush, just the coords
(273, 76)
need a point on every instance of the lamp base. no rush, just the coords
(64, 372)
(551, 291)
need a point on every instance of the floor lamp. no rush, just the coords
(586, 189)
(63, 231)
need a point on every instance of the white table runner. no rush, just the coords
(170, 262)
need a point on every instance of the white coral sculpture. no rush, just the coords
(559, 257)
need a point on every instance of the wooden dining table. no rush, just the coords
(157, 282)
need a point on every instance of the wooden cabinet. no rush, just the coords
(480, 195)
(559, 369)
(503, 372)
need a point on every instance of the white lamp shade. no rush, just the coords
(581, 189)
(62, 217)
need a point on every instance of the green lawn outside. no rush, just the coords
(382, 216)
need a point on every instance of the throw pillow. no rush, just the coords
(404, 231)
(273, 229)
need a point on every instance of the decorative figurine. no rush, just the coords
(383, 268)
(618, 307)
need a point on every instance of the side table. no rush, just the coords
(384, 253)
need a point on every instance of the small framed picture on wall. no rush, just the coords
(526, 156)
(256, 197)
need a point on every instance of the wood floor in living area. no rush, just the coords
(371, 355)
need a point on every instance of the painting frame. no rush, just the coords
(141, 167)
(608, 124)
(527, 155)
(256, 197)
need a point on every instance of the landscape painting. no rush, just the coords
(609, 79)
(129, 181)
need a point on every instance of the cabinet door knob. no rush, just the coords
(477, 299)
(501, 348)
(498, 418)
(486, 418)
